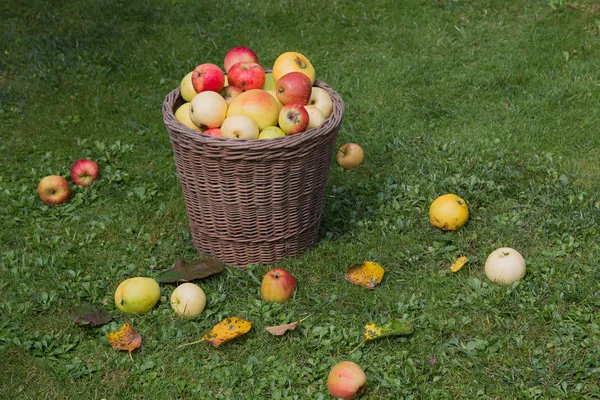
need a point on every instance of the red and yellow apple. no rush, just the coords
(346, 380)
(350, 156)
(293, 87)
(54, 189)
(278, 285)
(182, 114)
(246, 75)
(258, 105)
(293, 61)
(239, 126)
(208, 109)
(84, 172)
(238, 54)
(293, 118)
(208, 76)
(321, 99)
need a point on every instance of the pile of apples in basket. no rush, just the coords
(243, 101)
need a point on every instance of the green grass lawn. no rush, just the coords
(496, 101)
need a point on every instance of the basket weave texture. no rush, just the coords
(253, 201)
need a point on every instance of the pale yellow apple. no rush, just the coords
(315, 117)
(188, 300)
(321, 99)
(269, 82)
(293, 61)
(239, 126)
(183, 115)
(208, 109)
(259, 105)
(137, 295)
(271, 132)
(274, 94)
(187, 89)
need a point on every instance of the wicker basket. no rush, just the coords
(253, 201)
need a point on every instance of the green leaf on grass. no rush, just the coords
(394, 327)
(87, 314)
(185, 272)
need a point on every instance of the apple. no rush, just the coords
(269, 82)
(239, 126)
(346, 380)
(188, 300)
(293, 118)
(294, 87)
(350, 155)
(208, 110)
(137, 295)
(271, 132)
(230, 92)
(321, 99)
(84, 172)
(278, 285)
(246, 75)
(183, 115)
(239, 54)
(213, 132)
(54, 189)
(208, 77)
(293, 61)
(258, 105)
(187, 88)
(315, 116)
(274, 94)
(505, 265)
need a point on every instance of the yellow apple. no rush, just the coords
(258, 105)
(188, 300)
(183, 115)
(239, 126)
(271, 132)
(137, 295)
(315, 117)
(321, 99)
(187, 89)
(274, 94)
(293, 61)
(208, 109)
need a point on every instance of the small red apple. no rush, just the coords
(208, 77)
(239, 54)
(213, 132)
(246, 75)
(278, 285)
(350, 155)
(293, 87)
(84, 172)
(293, 118)
(54, 189)
(346, 381)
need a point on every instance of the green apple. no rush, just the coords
(271, 132)
(187, 89)
(269, 82)
(137, 295)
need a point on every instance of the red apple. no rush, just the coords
(293, 87)
(293, 118)
(350, 156)
(213, 132)
(208, 77)
(278, 285)
(346, 381)
(230, 92)
(54, 189)
(239, 54)
(84, 172)
(246, 75)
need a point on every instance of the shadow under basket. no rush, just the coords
(253, 201)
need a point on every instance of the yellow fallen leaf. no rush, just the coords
(458, 264)
(226, 330)
(125, 338)
(368, 274)
(394, 327)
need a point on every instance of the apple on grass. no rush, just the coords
(137, 295)
(246, 75)
(315, 117)
(293, 87)
(238, 54)
(258, 104)
(321, 99)
(293, 118)
(54, 189)
(505, 265)
(346, 380)
(84, 172)
(271, 132)
(293, 61)
(208, 110)
(230, 92)
(187, 88)
(239, 126)
(188, 300)
(350, 156)
(278, 285)
(208, 76)
(182, 114)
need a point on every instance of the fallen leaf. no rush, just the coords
(87, 314)
(367, 274)
(224, 331)
(394, 327)
(282, 329)
(458, 264)
(185, 272)
(125, 338)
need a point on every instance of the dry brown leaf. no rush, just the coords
(125, 338)
(368, 274)
(282, 329)
(226, 330)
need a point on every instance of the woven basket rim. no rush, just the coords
(333, 121)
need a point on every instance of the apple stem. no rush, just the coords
(341, 151)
